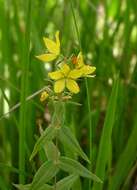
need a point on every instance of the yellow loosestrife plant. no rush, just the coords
(65, 84)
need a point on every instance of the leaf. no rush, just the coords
(72, 166)
(126, 160)
(113, 8)
(27, 187)
(105, 141)
(66, 183)
(51, 151)
(46, 172)
(22, 187)
(47, 135)
(66, 137)
(45, 187)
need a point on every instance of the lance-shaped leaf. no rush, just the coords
(46, 172)
(66, 137)
(22, 187)
(51, 151)
(72, 166)
(66, 183)
(45, 187)
(28, 186)
(47, 135)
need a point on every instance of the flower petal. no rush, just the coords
(56, 75)
(47, 57)
(59, 86)
(72, 86)
(51, 46)
(75, 74)
(65, 69)
(86, 69)
(80, 61)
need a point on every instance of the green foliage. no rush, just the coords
(126, 159)
(68, 139)
(47, 135)
(104, 127)
(46, 172)
(75, 167)
(66, 183)
(105, 141)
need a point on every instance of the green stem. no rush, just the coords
(87, 90)
(90, 127)
(75, 22)
(56, 143)
(24, 88)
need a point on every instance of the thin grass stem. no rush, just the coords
(87, 90)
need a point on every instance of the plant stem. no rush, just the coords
(75, 23)
(24, 88)
(56, 143)
(87, 90)
(90, 127)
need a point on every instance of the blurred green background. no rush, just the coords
(108, 36)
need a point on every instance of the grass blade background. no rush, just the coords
(126, 160)
(105, 141)
(24, 89)
(108, 36)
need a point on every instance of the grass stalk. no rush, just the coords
(24, 89)
(87, 91)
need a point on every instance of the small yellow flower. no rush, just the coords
(65, 77)
(86, 70)
(53, 48)
(44, 96)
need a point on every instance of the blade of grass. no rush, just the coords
(3, 184)
(126, 160)
(105, 142)
(87, 91)
(24, 88)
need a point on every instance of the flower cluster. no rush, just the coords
(67, 71)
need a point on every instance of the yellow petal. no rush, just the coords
(51, 46)
(59, 86)
(57, 40)
(86, 69)
(75, 74)
(80, 61)
(55, 75)
(65, 69)
(72, 86)
(46, 57)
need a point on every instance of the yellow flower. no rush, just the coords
(53, 48)
(65, 77)
(86, 70)
(44, 96)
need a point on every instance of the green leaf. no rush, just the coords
(66, 183)
(51, 151)
(126, 160)
(28, 186)
(22, 187)
(66, 137)
(45, 187)
(113, 8)
(105, 141)
(46, 172)
(72, 166)
(47, 135)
